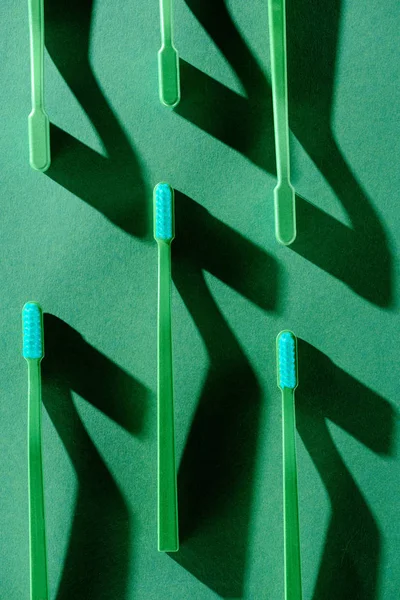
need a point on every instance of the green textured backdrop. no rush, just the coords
(78, 240)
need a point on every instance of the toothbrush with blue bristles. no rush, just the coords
(287, 382)
(164, 233)
(168, 59)
(32, 331)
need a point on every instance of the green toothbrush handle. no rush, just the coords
(166, 22)
(284, 192)
(38, 121)
(167, 488)
(38, 559)
(168, 59)
(291, 511)
(277, 20)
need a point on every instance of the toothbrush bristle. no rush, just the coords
(164, 212)
(287, 360)
(32, 331)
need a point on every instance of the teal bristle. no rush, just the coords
(164, 212)
(287, 360)
(32, 331)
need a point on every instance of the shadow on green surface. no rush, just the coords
(215, 482)
(98, 560)
(112, 184)
(245, 123)
(358, 255)
(205, 243)
(349, 567)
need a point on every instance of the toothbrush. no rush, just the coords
(32, 330)
(164, 233)
(287, 381)
(285, 216)
(168, 59)
(38, 121)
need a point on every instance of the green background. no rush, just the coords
(78, 240)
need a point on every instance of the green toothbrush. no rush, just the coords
(287, 381)
(168, 59)
(164, 233)
(32, 331)
(38, 121)
(285, 209)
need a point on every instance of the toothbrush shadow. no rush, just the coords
(243, 123)
(215, 480)
(359, 255)
(112, 184)
(350, 563)
(98, 559)
(207, 244)
(360, 258)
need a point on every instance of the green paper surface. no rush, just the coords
(78, 240)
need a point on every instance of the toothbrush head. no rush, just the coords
(164, 228)
(287, 360)
(32, 331)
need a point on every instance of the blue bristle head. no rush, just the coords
(287, 360)
(164, 212)
(32, 331)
